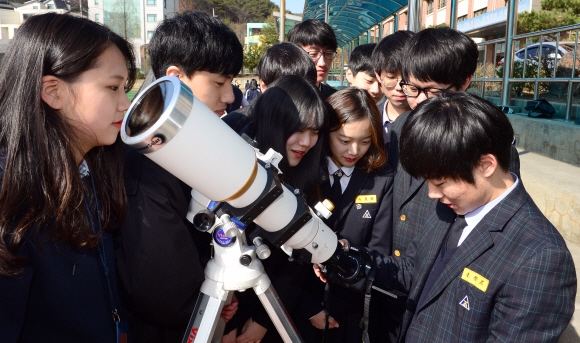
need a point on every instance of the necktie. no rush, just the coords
(336, 188)
(455, 232)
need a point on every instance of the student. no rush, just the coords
(491, 267)
(160, 256)
(387, 59)
(440, 60)
(356, 178)
(318, 40)
(290, 117)
(253, 92)
(360, 72)
(280, 59)
(62, 194)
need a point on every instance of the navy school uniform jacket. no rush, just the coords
(62, 295)
(363, 217)
(511, 280)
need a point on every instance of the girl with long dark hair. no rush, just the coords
(290, 118)
(63, 95)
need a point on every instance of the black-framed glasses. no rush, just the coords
(414, 91)
(391, 83)
(316, 54)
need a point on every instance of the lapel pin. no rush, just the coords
(465, 303)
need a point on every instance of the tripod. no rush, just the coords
(234, 266)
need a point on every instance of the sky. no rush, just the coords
(294, 6)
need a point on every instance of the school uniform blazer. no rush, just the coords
(411, 203)
(362, 224)
(519, 261)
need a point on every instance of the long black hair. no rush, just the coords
(41, 185)
(292, 104)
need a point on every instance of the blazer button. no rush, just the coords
(397, 253)
(403, 217)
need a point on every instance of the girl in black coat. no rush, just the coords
(355, 178)
(290, 118)
(63, 90)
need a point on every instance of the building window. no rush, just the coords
(164, 3)
(96, 2)
(151, 18)
(462, 18)
(150, 34)
(26, 16)
(442, 4)
(50, 6)
(34, 7)
(97, 17)
(429, 6)
(480, 12)
(151, 2)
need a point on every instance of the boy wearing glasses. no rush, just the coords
(387, 60)
(360, 71)
(318, 40)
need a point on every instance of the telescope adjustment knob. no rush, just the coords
(230, 229)
(262, 250)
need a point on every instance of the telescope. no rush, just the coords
(233, 185)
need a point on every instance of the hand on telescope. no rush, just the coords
(318, 268)
(252, 332)
(229, 310)
(318, 321)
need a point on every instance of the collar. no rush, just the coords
(474, 217)
(84, 169)
(385, 116)
(332, 168)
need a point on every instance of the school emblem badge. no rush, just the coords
(465, 303)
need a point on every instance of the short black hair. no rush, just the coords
(389, 53)
(195, 41)
(445, 137)
(285, 59)
(313, 32)
(361, 59)
(442, 55)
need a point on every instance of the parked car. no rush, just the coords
(548, 52)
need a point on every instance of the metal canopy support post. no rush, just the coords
(453, 15)
(380, 32)
(342, 67)
(282, 20)
(396, 23)
(326, 12)
(414, 16)
(511, 27)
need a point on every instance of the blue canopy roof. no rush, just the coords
(350, 18)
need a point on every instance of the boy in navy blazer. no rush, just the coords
(505, 274)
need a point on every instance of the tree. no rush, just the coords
(123, 19)
(269, 36)
(251, 58)
(554, 13)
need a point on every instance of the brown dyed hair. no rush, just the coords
(351, 105)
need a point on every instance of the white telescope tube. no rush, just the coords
(177, 131)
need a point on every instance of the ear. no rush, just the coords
(465, 84)
(174, 71)
(487, 165)
(51, 92)
(263, 86)
(349, 75)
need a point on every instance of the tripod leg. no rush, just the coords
(278, 314)
(205, 319)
